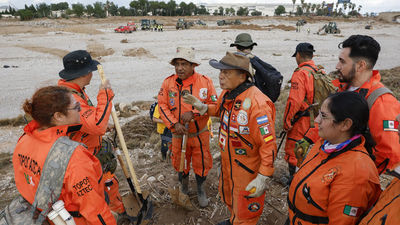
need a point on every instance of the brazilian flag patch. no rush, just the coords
(240, 151)
(213, 98)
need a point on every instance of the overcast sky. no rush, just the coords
(367, 5)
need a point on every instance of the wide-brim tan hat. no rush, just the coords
(186, 54)
(233, 61)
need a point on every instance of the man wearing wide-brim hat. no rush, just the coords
(183, 119)
(76, 75)
(246, 138)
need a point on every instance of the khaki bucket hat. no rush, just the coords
(186, 54)
(233, 61)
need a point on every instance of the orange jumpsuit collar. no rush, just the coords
(71, 85)
(373, 80)
(51, 133)
(190, 80)
(309, 62)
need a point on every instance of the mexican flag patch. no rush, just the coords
(351, 210)
(390, 125)
(264, 130)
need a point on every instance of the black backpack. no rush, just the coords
(267, 78)
(152, 109)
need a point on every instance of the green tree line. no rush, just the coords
(136, 8)
(322, 9)
(100, 9)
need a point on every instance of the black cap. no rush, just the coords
(76, 64)
(304, 47)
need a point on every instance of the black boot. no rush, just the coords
(201, 193)
(292, 171)
(184, 179)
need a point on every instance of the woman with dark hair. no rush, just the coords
(337, 181)
(55, 115)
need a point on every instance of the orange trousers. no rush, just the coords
(197, 154)
(244, 210)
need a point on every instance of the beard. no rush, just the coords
(349, 77)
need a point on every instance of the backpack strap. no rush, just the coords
(52, 177)
(309, 66)
(376, 94)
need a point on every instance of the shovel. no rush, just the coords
(177, 196)
(136, 205)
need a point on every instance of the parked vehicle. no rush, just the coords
(182, 24)
(145, 24)
(125, 29)
(228, 22)
(200, 22)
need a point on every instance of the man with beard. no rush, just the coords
(355, 69)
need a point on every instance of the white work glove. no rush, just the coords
(259, 183)
(196, 103)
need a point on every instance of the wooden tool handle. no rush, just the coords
(183, 150)
(121, 138)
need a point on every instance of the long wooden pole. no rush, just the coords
(121, 138)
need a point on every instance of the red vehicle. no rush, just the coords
(125, 29)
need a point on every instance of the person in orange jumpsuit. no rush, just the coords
(55, 113)
(175, 114)
(387, 209)
(296, 120)
(355, 68)
(76, 75)
(246, 139)
(337, 181)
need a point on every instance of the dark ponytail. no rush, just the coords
(352, 105)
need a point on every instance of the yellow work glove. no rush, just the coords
(301, 149)
(196, 103)
(257, 186)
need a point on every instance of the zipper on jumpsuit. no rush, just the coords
(305, 178)
(229, 151)
(179, 102)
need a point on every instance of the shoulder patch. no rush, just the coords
(390, 125)
(262, 119)
(351, 211)
(246, 103)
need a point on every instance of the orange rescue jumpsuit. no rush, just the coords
(334, 188)
(300, 96)
(387, 210)
(248, 147)
(384, 110)
(83, 187)
(172, 107)
(94, 125)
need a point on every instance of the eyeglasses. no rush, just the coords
(324, 116)
(77, 107)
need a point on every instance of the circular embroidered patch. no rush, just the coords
(254, 207)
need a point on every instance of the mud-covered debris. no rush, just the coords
(137, 131)
(391, 79)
